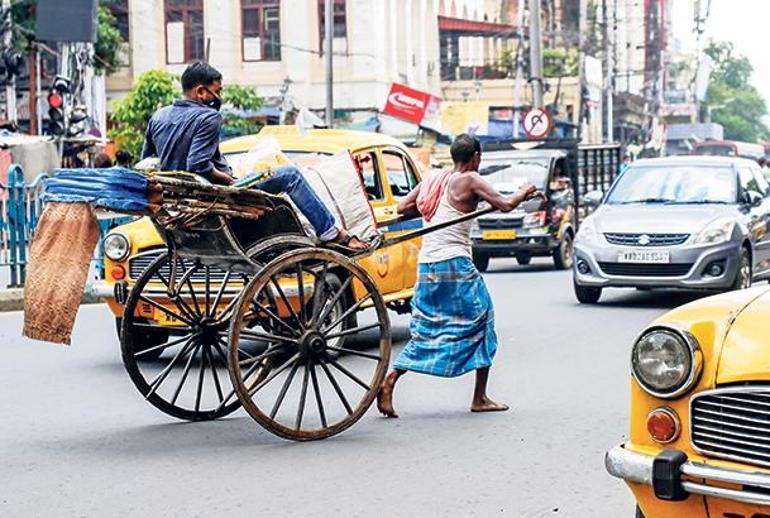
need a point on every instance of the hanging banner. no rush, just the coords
(465, 117)
(407, 103)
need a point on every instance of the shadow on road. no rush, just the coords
(652, 299)
(514, 268)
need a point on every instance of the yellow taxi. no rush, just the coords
(699, 443)
(388, 173)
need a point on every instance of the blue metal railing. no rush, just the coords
(21, 206)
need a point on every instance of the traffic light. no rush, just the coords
(56, 99)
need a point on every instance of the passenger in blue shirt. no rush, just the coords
(185, 137)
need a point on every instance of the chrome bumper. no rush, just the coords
(638, 468)
(102, 289)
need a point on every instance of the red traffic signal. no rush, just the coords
(55, 100)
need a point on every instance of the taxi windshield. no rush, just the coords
(675, 185)
(507, 175)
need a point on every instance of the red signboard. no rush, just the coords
(406, 103)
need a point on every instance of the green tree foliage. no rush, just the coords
(108, 40)
(152, 90)
(732, 101)
(560, 62)
(244, 98)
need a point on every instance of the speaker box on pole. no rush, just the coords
(70, 20)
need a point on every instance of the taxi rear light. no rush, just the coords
(663, 425)
(118, 272)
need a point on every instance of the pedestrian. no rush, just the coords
(185, 137)
(102, 161)
(123, 158)
(453, 326)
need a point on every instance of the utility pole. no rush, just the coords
(10, 84)
(610, 60)
(329, 38)
(535, 53)
(582, 28)
(518, 79)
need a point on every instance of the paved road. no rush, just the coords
(77, 440)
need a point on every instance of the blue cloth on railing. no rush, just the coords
(114, 188)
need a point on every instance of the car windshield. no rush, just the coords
(507, 175)
(675, 185)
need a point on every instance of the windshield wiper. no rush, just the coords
(700, 202)
(484, 171)
(647, 200)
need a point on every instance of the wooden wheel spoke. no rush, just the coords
(353, 330)
(228, 309)
(302, 397)
(317, 392)
(161, 377)
(220, 293)
(318, 292)
(301, 294)
(166, 310)
(201, 373)
(268, 336)
(284, 389)
(328, 308)
(337, 388)
(214, 373)
(258, 386)
(349, 374)
(185, 373)
(208, 289)
(272, 351)
(163, 346)
(354, 308)
(275, 317)
(147, 325)
(248, 374)
(285, 301)
(355, 353)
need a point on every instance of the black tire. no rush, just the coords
(481, 261)
(523, 259)
(743, 276)
(562, 256)
(587, 294)
(148, 339)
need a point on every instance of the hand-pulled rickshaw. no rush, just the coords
(243, 290)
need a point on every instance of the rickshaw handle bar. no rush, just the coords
(390, 241)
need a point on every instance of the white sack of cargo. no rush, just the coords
(337, 182)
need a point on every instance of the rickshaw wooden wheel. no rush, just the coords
(183, 375)
(312, 390)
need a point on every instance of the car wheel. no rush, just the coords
(148, 339)
(523, 259)
(743, 276)
(562, 256)
(481, 261)
(586, 294)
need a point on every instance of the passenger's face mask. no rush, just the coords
(215, 102)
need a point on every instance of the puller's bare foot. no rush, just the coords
(385, 398)
(487, 405)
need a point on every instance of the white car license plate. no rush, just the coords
(644, 256)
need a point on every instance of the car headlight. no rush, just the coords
(666, 362)
(718, 231)
(116, 246)
(587, 232)
(534, 219)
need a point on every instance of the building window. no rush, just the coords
(261, 29)
(119, 9)
(340, 29)
(184, 31)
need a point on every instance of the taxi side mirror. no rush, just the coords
(752, 198)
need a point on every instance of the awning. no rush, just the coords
(473, 27)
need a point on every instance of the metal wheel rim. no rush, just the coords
(247, 389)
(745, 273)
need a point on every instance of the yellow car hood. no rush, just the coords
(745, 354)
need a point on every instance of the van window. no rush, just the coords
(400, 174)
(759, 177)
(749, 181)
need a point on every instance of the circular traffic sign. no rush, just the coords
(537, 123)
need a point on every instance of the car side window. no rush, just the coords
(748, 181)
(400, 174)
(762, 183)
(370, 174)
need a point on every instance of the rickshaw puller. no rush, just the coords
(185, 136)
